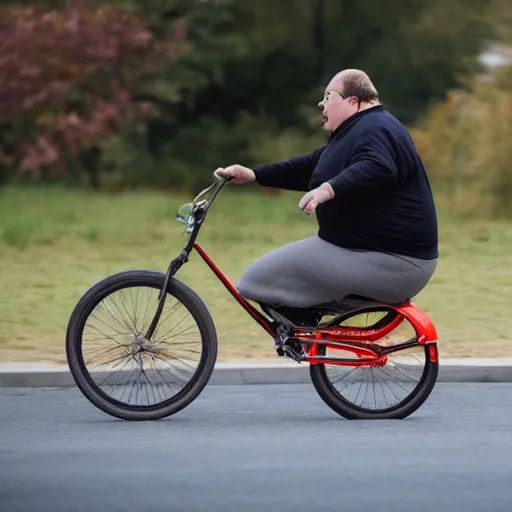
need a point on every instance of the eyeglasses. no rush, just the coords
(328, 93)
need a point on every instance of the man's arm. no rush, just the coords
(372, 166)
(293, 174)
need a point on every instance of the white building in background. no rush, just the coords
(496, 56)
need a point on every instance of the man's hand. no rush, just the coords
(239, 174)
(317, 196)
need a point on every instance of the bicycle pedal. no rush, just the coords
(293, 354)
(280, 340)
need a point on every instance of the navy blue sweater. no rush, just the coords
(383, 200)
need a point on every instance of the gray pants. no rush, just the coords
(311, 272)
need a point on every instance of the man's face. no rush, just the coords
(335, 108)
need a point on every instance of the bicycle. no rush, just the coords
(151, 351)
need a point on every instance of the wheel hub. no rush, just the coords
(141, 344)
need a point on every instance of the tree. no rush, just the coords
(255, 70)
(68, 78)
(273, 57)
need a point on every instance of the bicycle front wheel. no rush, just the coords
(121, 372)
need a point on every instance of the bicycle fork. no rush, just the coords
(174, 266)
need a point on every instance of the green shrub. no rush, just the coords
(465, 143)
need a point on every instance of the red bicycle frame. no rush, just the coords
(359, 341)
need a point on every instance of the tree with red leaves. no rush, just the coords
(70, 77)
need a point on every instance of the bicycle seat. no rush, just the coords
(352, 302)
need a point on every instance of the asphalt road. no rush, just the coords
(257, 448)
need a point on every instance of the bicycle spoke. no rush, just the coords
(394, 381)
(142, 373)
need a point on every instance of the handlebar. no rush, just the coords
(215, 188)
(193, 214)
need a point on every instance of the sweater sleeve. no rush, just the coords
(372, 165)
(293, 174)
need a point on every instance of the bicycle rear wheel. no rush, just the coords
(118, 369)
(392, 391)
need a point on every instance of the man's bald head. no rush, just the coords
(354, 82)
(350, 91)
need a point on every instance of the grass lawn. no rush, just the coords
(54, 244)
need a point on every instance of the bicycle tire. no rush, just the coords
(348, 410)
(186, 296)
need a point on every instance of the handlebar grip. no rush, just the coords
(221, 175)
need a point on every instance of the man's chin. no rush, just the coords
(327, 129)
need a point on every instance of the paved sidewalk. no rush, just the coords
(261, 372)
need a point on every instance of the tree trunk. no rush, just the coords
(91, 162)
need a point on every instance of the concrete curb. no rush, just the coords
(451, 370)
